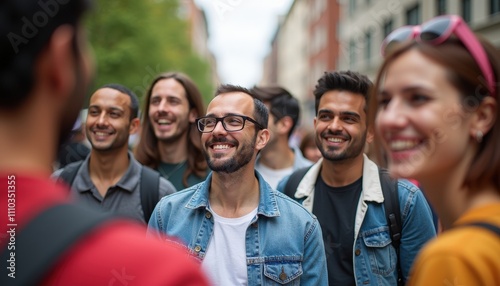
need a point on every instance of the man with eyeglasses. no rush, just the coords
(243, 231)
(279, 159)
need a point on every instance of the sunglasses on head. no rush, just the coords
(438, 30)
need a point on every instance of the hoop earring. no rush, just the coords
(479, 136)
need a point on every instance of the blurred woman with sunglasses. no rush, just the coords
(435, 110)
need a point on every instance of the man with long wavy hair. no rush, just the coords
(169, 141)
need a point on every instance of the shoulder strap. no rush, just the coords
(150, 188)
(392, 213)
(68, 174)
(294, 180)
(41, 243)
(488, 226)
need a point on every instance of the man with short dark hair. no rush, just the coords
(244, 232)
(278, 160)
(344, 190)
(110, 177)
(45, 69)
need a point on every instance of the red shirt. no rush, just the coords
(115, 253)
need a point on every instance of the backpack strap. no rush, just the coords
(45, 239)
(294, 180)
(485, 225)
(69, 172)
(150, 188)
(392, 214)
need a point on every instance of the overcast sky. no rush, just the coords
(240, 35)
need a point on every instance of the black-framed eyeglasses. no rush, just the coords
(230, 123)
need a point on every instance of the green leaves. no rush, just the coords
(133, 41)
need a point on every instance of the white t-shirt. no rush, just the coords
(273, 177)
(225, 260)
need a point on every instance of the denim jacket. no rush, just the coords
(284, 244)
(374, 257)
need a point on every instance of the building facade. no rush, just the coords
(320, 35)
(364, 24)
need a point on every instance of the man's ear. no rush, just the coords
(484, 117)
(57, 63)
(262, 139)
(284, 125)
(193, 114)
(134, 126)
(369, 135)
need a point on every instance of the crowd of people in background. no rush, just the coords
(219, 196)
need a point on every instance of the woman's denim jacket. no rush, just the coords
(374, 257)
(284, 244)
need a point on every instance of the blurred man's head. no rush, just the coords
(284, 111)
(41, 41)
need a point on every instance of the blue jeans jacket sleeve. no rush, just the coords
(154, 229)
(418, 224)
(315, 271)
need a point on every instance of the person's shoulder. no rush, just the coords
(479, 242)
(125, 252)
(68, 168)
(57, 173)
(166, 187)
(181, 195)
(293, 208)
(406, 186)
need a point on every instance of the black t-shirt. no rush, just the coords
(336, 212)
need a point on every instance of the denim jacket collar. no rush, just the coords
(267, 197)
(372, 191)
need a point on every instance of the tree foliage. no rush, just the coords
(133, 41)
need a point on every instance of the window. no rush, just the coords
(413, 15)
(387, 28)
(467, 10)
(352, 54)
(368, 45)
(494, 7)
(352, 7)
(441, 7)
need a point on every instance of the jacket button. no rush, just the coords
(254, 224)
(197, 248)
(357, 252)
(208, 215)
(283, 276)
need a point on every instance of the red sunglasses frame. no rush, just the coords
(456, 26)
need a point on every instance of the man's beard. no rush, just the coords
(352, 151)
(233, 164)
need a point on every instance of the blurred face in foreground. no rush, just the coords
(423, 126)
